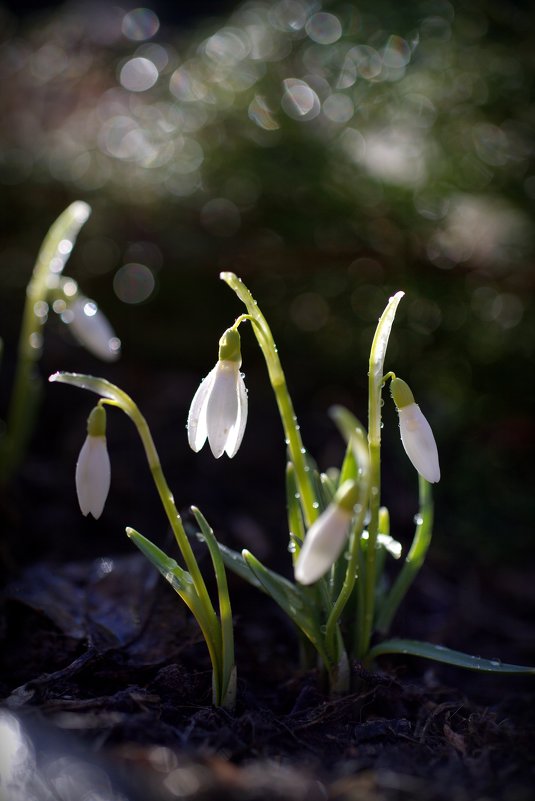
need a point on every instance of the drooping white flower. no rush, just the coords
(416, 434)
(92, 328)
(93, 471)
(327, 536)
(218, 410)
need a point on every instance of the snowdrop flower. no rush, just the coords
(219, 407)
(326, 537)
(92, 329)
(416, 434)
(93, 473)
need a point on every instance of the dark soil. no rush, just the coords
(107, 676)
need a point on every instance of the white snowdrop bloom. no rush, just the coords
(416, 434)
(326, 537)
(92, 329)
(218, 410)
(93, 471)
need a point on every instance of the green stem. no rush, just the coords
(414, 559)
(51, 259)
(278, 382)
(366, 611)
(127, 405)
(349, 580)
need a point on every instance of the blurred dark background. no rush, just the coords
(330, 154)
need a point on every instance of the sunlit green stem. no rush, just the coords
(366, 611)
(350, 577)
(127, 405)
(52, 256)
(414, 559)
(284, 402)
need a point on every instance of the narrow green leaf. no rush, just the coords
(289, 597)
(100, 386)
(228, 681)
(328, 486)
(439, 653)
(235, 562)
(179, 578)
(296, 526)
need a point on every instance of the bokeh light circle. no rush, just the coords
(133, 283)
(140, 24)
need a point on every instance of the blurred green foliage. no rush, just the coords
(332, 154)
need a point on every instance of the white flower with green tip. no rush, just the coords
(327, 536)
(416, 434)
(93, 471)
(218, 410)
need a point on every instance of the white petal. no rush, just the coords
(236, 435)
(323, 544)
(197, 430)
(93, 476)
(419, 442)
(92, 329)
(222, 406)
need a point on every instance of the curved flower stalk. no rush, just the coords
(218, 410)
(297, 452)
(188, 583)
(416, 434)
(93, 471)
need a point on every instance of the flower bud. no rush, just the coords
(326, 537)
(93, 471)
(416, 434)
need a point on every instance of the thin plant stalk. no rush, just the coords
(53, 254)
(278, 382)
(414, 559)
(366, 610)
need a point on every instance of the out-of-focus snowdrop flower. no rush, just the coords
(416, 434)
(92, 329)
(326, 537)
(93, 472)
(218, 410)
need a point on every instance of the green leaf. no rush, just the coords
(235, 562)
(228, 680)
(290, 598)
(328, 487)
(100, 386)
(179, 578)
(296, 526)
(440, 653)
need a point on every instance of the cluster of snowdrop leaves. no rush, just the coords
(339, 534)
